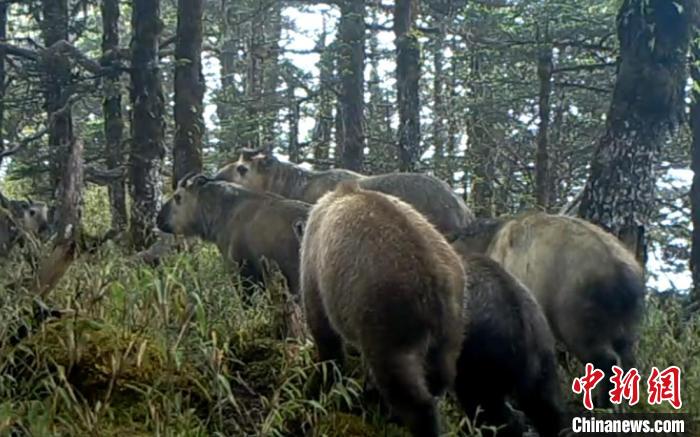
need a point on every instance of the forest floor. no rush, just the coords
(179, 349)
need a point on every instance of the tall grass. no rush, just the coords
(185, 349)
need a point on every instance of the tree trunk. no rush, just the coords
(695, 166)
(271, 73)
(407, 76)
(229, 93)
(3, 37)
(481, 151)
(351, 64)
(339, 133)
(69, 200)
(56, 84)
(69, 193)
(255, 58)
(189, 90)
(439, 107)
(647, 99)
(481, 146)
(112, 112)
(293, 121)
(382, 153)
(452, 120)
(323, 128)
(147, 124)
(542, 174)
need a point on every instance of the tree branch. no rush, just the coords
(59, 48)
(52, 117)
(585, 67)
(104, 177)
(584, 87)
(13, 50)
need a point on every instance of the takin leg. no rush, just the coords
(440, 369)
(542, 402)
(485, 406)
(624, 347)
(328, 342)
(603, 358)
(400, 378)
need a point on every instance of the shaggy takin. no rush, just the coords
(18, 216)
(246, 226)
(377, 275)
(590, 287)
(508, 350)
(259, 170)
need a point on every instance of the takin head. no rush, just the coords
(32, 216)
(251, 170)
(181, 213)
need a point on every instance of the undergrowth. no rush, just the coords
(185, 349)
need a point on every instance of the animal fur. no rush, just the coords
(590, 287)
(260, 170)
(377, 275)
(508, 350)
(246, 226)
(19, 218)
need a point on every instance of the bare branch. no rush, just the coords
(59, 48)
(571, 207)
(52, 117)
(11, 151)
(104, 177)
(586, 67)
(13, 50)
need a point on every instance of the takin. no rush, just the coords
(377, 276)
(247, 227)
(18, 217)
(262, 171)
(508, 350)
(589, 286)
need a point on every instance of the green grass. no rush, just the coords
(179, 350)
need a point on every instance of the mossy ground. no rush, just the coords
(180, 349)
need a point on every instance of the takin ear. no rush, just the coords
(184, 181)
(265, 158)
(198, 180)
(248, 154)
(298, 227)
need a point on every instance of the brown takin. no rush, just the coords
(508, 350)
(18, 217)
(262, 171)
(590, 287)
(246, 226)
(376, 275)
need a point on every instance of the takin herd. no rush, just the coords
(396, 267)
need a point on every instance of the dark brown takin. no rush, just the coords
(508, 353)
